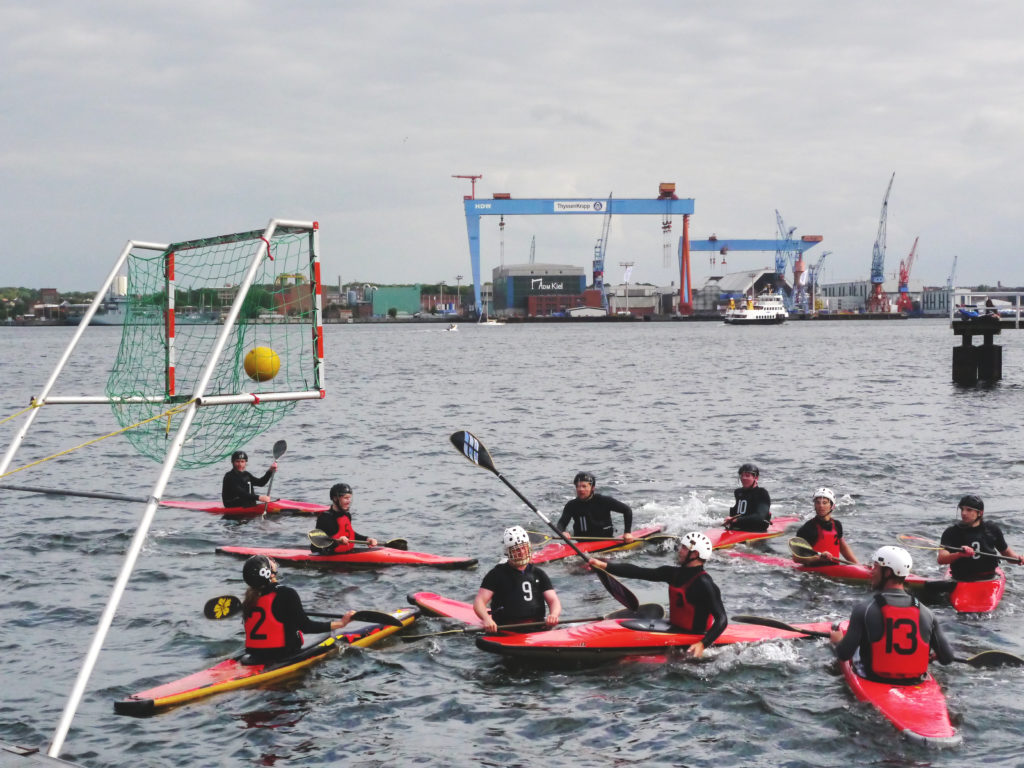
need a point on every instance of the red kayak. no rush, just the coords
(558, 549)
(978, 596)
(918, 711)
(361, 556)
(435, 605)
(279, 505)
(235, 673)
(721, 538)
(841, 571)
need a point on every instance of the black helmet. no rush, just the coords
(257, 571)
(972, 501)
(585, 477)
(751, 468)
(340, 489)
(239, 455)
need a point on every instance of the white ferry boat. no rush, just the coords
(766, 309)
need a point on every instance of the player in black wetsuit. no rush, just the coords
(753, 508)
(891, 636)
(336, 522)
(237, 489)
(517, 591)
(695, 603)
(824, 533)
(590, 512)
(273, 615)
(972, 537)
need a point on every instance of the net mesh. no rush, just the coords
(200, 279)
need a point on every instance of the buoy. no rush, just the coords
(262, 364)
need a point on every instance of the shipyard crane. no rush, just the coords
(533, 249)
(878, 301)
(903, 303)
(472, 179)
(600, 249)
(785, 247)
(952, 275)
(813, 273)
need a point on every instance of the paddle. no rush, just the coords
(645, 611)
(470, 447)
(803, 550)
(226, 606)
(321, 540)
(979, 660)
(537, 537)
(279, 448)
(920, 542)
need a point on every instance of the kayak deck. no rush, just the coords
(233, 673)
(436, 605)
(721, 538)
(841, 571)
(598, 641)
(558, 549)
(978, 596)
(272, 507)
(361, 556)
(918, 711)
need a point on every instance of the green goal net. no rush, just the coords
(233, 322)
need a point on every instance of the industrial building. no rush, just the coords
(533, 290)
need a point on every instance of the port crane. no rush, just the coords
(903, 303)
(600, 250)
(952, 275)
(786, 252)
(813, 273)
(878, 301)
(472, 179)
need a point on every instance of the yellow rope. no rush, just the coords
(168, 413)
(32, 405)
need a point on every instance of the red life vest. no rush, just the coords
(262, 630)
(344, 529)
(681, 611)
(828, 541)
(900, 653)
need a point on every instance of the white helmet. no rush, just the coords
(896, 559)
(695, 541)
(824, 493)
(516, 542)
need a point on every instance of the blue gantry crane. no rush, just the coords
(600, 249)
(878, 300)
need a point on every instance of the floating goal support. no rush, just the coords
(177, 363)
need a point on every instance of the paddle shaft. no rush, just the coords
(948, 548)
(279, 448)
(764, 621)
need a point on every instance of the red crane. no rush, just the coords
(472, 180)
(904, 304)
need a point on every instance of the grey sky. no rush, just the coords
(168, 121)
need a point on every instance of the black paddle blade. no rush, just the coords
(377, 617)
(319, 539)
(645, 611)
(765, 621)
(279, 448)
(222, 607)
(801, 548)
(467, 444)
(993, 659)
(401, 544)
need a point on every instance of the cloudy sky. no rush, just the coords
(168, 121)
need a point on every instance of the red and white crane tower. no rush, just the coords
(903, 303)
(472, 179)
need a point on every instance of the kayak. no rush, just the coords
(918, 711)
(965, 596)
(435, 605)
(278, 505)
(361, 556)
(235, 673)
(608, 639)
(721, 538)
(558, 549)
(841, 571)
(978, 596)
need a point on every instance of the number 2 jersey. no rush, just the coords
(518, 596)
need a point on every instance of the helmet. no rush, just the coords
(516, 543)
(340, 489)
(824, 493)
(585, 477)
(257, 571)
(896, 559)
(751, 468)
(695, 541)
(972, 501)
(239, 455)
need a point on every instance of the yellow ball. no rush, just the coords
(262, 364)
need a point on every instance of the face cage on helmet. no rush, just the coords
(519, 554)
